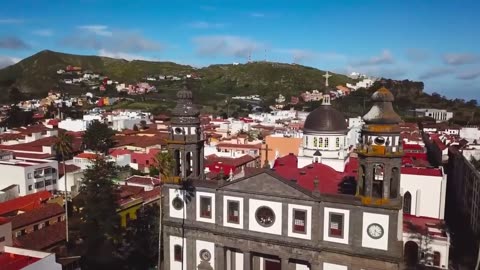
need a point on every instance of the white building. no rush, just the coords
(365, 83)
(31, 175)
(354, 128)
(437, 114)
(324, 138)
(470, 134)
(73, 125)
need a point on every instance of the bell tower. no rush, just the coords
(380, 151)
(186, 140)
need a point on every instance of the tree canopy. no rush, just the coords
(101, 223)
(98, 137)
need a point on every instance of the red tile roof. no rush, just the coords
(239, 145)
(214, 162)
(87, 155)
(44, 238)
(68, 167)
(43, 212)
(424, 225)
(10, 261)
(24, 203)
(422, 171)
(329, 179)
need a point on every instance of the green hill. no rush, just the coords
(37, 74)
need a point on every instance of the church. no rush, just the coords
(325, 134)
(264, 221)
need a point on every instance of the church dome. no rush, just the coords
(382, 111)
(325, 119)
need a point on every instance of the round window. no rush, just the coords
(177, 203)
(265, 216)
(178, 130)
(379, 141)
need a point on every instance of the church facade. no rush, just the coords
(265, 222)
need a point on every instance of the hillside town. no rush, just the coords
(319, 169)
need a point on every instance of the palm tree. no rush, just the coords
(63, 148)
(163, 162)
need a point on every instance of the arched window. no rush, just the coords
(436, 258)
(407, 203)
(326, 142)
(320, 142)
(337, 142)
(315, 142)
(378, 175)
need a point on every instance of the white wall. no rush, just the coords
(346, 225)
(199, 194)
(174, 265)
(45, 263)
(182, 213)
(442, 246)
(331, 266)
(308, 234)
(276, 228)
(367, 241)
(428, 196)
(225, 212)
(210, 246)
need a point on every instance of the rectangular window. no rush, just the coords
(233, 212)
(205, 207)
(35, 227)
(299, 221)
(177, 253)
(30, 187)
(48, 182)
(337, 142)
(29, 175)
(54, 181)
(39, 185)
(335, 225)
(2, 239)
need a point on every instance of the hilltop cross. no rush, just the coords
(326, 78)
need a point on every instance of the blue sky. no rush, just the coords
(433, 41)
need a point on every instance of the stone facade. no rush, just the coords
(280, 245)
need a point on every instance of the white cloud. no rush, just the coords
(43, 32)
(469, 75)
(226, 45)
(435, 73)
(385, 57)
(205, 25)
(100, 30)
(11, 21)
(123, 55)
(113, 41)
(257, 14)
(300, 55)
(461, 58)
(6, 61)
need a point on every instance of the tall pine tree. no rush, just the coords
(101, 223)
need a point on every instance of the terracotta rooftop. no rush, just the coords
(424, 225)
(43, 212)
(239, 145)
(10, 261)
(69, 167)
(25, 203)
(44, 238)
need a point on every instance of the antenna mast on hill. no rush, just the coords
(265, 55)
(249, 56)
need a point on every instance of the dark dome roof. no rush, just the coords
(325, 119)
